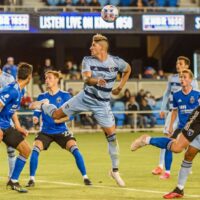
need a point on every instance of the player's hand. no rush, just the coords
(101, 82)
(162, 114)
(116, 91)
(23, 131)
(35, 120)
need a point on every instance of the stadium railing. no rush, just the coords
(80, 128)
(22, 8)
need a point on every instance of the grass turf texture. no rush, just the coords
(58, 177)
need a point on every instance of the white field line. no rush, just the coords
(110, 187)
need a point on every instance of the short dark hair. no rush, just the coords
(24, 70)
(186, 59)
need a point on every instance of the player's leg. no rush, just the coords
(184, 172)
(159, 169)
(11, 159)
(68, 142)
(42, 142)
(169, 157)
(105, 119)
(13, 138)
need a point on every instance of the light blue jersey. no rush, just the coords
(107, 70)
(48, 125)
(96, 99)
(185, 103)
(10, 97)
(5, 79)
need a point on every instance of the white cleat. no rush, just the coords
(139, 142)
(36, 105)
(118, 179)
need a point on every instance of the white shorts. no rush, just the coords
(167, 123)
(196, 142)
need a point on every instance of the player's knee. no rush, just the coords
(26, 152)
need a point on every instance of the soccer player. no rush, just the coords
(184, 101)
(51, 131)
(99, 73)
(6, 79)
(172, 86)
(10, 98)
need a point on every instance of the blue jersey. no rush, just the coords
(48, 125)
(11, 69)
(10, 97)
(107, 70)
(173, 85)
(185, 103)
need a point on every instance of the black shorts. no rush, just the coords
(61, 139)
(12, 137)
(192, 127)
(176, 133)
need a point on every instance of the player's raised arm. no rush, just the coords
(125, 76)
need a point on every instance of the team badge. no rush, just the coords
(111, 69)
(192, 99)
(190, 132)
(58, 100)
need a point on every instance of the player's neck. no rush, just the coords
(102, 57)
(187, 89)
(53, 90)
(22, 84)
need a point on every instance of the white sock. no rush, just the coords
(85, 177)
(32, 178)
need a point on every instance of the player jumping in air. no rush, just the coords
(99, 73)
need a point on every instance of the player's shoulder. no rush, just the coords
(88, 58)
(42, 95)
(178, 92)
(115, 57)
(194, 90)
(65, 94)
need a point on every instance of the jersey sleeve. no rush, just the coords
(37, 113)
(7, 94)
(85, 65)
(122, 64)
(166, 96)
(175, 105)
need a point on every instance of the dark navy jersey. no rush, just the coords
(10, 97)
(185, 103)
(48, 125)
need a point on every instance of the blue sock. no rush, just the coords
(160, 142)
(79, 159)
(168, 160)
(19, 165)
(34, 160)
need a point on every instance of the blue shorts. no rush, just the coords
(81, 103)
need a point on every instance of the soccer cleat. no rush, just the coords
(118, 179)
(139, 142)
(165, 176)
(157, 171)
(36, 105)
(16, 186)
(176, 193)
(30, 183)
(87, 181)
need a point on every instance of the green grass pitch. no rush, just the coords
(58, 177)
